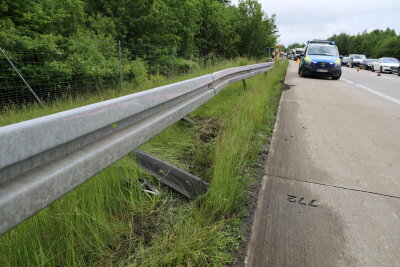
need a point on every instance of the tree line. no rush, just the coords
(80, 37)
(374, 44)
(292, 46)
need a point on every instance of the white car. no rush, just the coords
(355, 60)
(386, 64)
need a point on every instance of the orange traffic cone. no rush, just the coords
(297, 60)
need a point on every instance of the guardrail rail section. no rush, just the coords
(44, 158)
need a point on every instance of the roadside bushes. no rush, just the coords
(54, 62)
(91, 55)
(137, 70)
(72, 46)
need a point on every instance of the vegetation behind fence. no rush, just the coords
(72, 46)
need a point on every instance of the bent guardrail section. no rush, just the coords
(45, 158)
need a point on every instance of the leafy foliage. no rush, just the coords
(77, 39)
(294, 45)
(374, 44)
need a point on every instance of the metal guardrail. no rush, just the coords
(44, 158)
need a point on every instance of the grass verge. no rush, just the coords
(110, 221)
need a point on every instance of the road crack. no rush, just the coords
(330, 185)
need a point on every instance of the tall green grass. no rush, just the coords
(208, 233)
(110, 221)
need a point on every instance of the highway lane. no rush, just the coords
(331, 191)
(387, 84)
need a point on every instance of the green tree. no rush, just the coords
(217, 33)
(295, 45)
(256, 30)
(77, 39)
(375, 44)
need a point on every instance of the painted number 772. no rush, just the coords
(300, 200)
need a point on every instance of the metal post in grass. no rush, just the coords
(120, 64)
(173, 59)
(244, 84)
(198, 57)
(20, 75)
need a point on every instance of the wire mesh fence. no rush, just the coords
(50, 73)
(46, 71)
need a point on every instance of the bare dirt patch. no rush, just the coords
(199, 158)
(207, 129)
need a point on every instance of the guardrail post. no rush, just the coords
(120, 64)
(188, 120)
(244, 84)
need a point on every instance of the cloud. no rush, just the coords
(299, 21)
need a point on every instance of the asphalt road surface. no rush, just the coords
(386, 84)
(331, 193)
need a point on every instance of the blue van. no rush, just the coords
(320, 58)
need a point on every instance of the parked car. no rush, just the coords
(366, 64)
(344, 61)
(386, 64)
(398, 71)
(355, 60)
(320, 58)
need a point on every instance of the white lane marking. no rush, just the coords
(395, 215)
(392, 99)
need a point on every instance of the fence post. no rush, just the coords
(20, 75)
(120, 64)
(173, 60)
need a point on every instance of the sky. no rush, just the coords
(299, 21)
